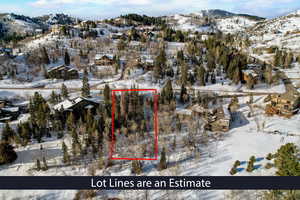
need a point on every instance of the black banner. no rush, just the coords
(149, 182)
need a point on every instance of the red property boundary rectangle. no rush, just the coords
(112, 144)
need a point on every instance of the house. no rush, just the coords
(103, 66)
(204, 37)
(121, 21)
(8, 114)
(78, 106)
(286, 104)
(102, 71)
(38, 31)
(56, 29)
(6, 51)
(249, 74)
(3, 103)
(220, 120)
(118, 35)
(104, 60)
(63, 72)
(217, 118)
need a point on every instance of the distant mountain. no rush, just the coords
(283, 31)
(19, 24)
(216, 13)
(57, 19)
(212, 20)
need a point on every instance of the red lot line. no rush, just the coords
(112, 144)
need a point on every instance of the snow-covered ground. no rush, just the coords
(283, 32)
(234, 24)
(216, 159)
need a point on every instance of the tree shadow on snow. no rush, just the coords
(29, 156)
(243, 162)
(238, 120)
(240, 169)
(259, 159)
(257, 166)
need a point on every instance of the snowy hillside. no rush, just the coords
(57, 19)
(214, 13)
(211, 21)
(283, 31)
(190, 22)
(234, 24)
(19, 24)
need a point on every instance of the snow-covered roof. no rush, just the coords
(102, 67)
(57, 67)
(100, 56)
(200, 109)
(250, 71)
(68, 103)
(89, 107)
(11, 109)
(253, 66)
(118, 34)
(72, 69)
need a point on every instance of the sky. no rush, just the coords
(100, 9)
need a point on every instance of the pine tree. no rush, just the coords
(237, 163)
(23, 131)
(7, 133)
(71, 122)
(287, 161)
(53, 98)
(67, 58)
(66, 156)
(163, 160)
(250, 166)
(168, 91)
(160, 64)
(85, 90)
(184, 74)
(250, 82)
(178, 124)
(7, 153)
(136, 167)
(183, 94)
(107, 94)
(64, 91)
(117, 64)
(180, 56)
(45, 56)
(269, 156)
(233, 171)
(45, 166)
(174, 143)
(201, 75)
(252, 159)
(38, 165)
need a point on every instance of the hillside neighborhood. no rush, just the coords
(227, 100)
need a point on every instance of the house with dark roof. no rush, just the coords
(78, 106)
(216, 118)
(63, 72)
(286, 104)
(104, 60)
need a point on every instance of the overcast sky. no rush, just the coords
(112, 8)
